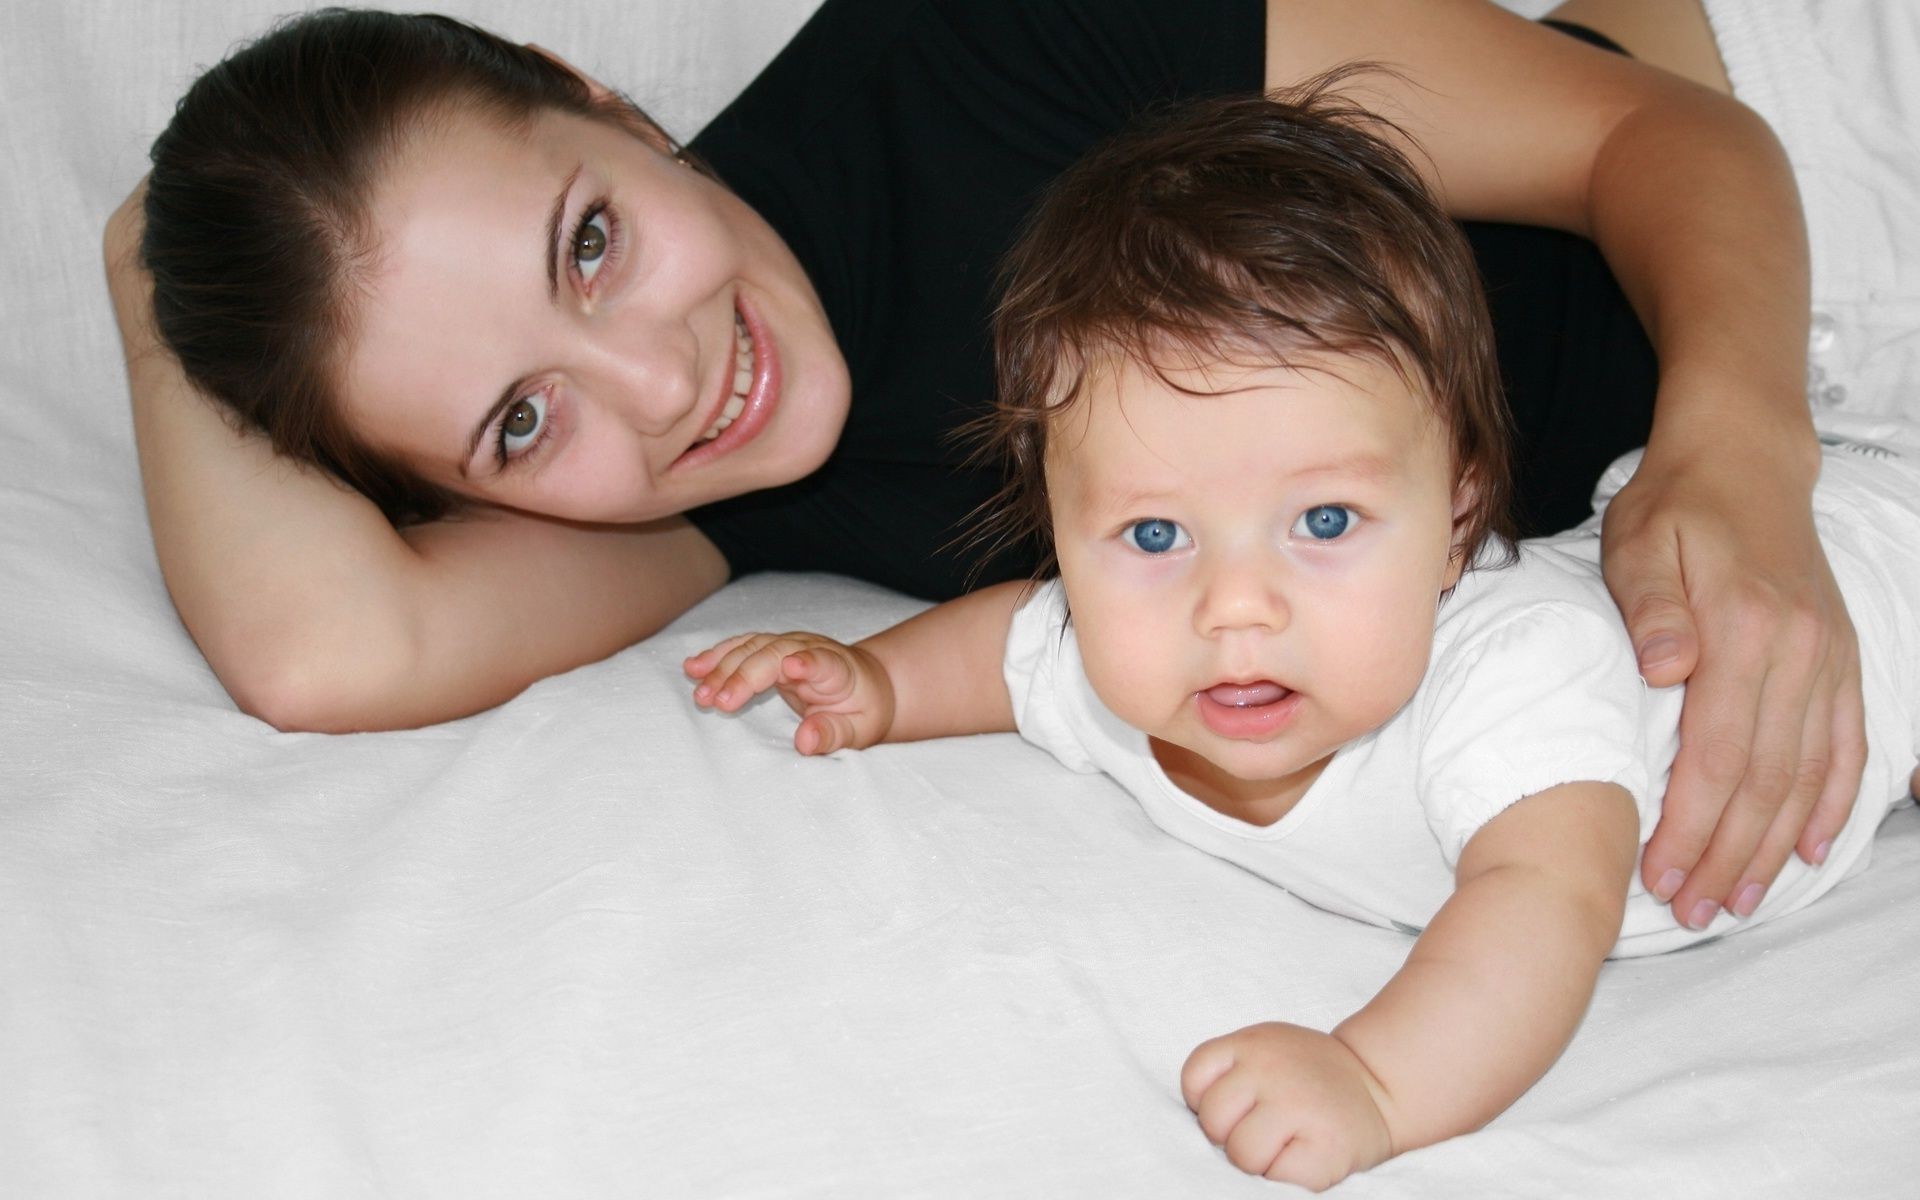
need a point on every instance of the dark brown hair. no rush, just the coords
(1252, 230)
(257, 222)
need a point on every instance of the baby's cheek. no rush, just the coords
(1130, 679)
(1385, 676)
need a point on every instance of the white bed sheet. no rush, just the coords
(597, 943)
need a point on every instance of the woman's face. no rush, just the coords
(567, 320)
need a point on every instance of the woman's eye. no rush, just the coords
(590, 241)
(1156, 536)
(1324, 522)
(520, 425)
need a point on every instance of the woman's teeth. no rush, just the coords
(742, 380)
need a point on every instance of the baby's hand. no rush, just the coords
(1288, 1103)
(842, 693)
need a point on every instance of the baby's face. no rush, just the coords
(1253, 574)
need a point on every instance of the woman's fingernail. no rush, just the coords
(1659, 651)
(1821, 851)
(1748, 900)
(1669, 884)
(1702, 914)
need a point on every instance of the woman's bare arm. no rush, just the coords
(1710, 552)
(316, 613)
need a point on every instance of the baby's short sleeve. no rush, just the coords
(1550, 694)
(1044, 680)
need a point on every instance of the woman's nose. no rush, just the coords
(1242, 592)
(648, 372)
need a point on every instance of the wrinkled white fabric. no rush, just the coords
(1839, 81)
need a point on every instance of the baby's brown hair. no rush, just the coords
(1257, 231)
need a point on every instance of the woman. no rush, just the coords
(516, 294)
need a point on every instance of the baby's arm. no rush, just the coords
(1489, 997)
(935, 675)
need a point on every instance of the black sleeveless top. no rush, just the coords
(896, 146)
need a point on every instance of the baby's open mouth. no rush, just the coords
(1255, 711)
(742, 382)
(1247, 695)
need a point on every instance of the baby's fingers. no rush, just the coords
(1257, 1142)
(1224, 1105)
(701, 665)
(743, 673)
(825, 732)
(1209, 1061)
(818, 675)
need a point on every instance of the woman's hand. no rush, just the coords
(842, 693)
(1713, 559)
(1287, 1103)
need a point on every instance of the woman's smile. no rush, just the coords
(750, 394)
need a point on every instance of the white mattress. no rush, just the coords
(597, 943)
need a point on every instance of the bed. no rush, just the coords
(595, 942)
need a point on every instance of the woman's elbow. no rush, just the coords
(305, 685)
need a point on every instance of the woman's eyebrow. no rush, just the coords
(551, 249)
(507, 396)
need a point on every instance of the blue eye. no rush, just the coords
(1324, 522)
(1156, 536)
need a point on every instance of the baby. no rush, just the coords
(1249, 403)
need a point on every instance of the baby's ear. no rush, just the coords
(1466, 494)
(1466, 498)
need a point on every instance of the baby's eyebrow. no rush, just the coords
(1362, 465)
(1121, 497)
(1130, 494)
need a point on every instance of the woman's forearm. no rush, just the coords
(1694, 205)
(263, 558)
(1687, 192)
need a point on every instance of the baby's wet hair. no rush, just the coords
(1255, 231)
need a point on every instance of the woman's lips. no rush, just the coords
(762, 399)
(1247, 711)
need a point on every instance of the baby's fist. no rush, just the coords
(1288, 1103)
